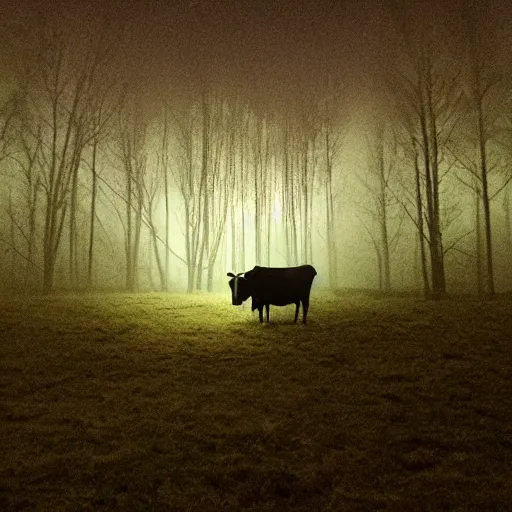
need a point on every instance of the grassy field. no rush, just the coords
(186, 403)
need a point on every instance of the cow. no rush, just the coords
(276, 286)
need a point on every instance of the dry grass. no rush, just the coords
(185, 403)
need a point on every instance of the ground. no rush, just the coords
(186, 403)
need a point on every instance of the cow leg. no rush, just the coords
(297, 305)
(267, 307)
(305, 307)
(260, 311)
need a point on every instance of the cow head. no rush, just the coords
(240, 288)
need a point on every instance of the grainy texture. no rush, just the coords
(186, 403)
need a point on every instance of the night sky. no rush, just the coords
(267, 50)
(260, 47)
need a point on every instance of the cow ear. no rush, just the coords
(240, 274)
(230, 274)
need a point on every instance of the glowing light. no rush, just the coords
(277, 211)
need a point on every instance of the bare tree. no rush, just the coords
(19, 152)
(185, 177)
(103, 107)
(220, 186)
(164, 163)
(149, 204)
(290, 190)
(427, 95)
(483, 80)
(332, 137)
(28, 160)
(310, 132)
(132, 154)
(381, 206)
(272, 205)
(101, 126)
(60, 82)
(260, 158)
(240, 122)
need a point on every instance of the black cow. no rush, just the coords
(276, 286)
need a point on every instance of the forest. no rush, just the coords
(393, 174)
(148, 148)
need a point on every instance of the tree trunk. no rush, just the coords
(130, 280)
(165, 163)
(508, 218)
(478, 240)
(92, 216)
(158, 259)
(73, 239)
(257, 201)
(329, 211)
(485, 202)
(421, 233)
(383, 217)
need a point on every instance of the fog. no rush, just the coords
(157, 147)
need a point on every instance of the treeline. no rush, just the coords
(105, 185)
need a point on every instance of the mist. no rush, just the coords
(152, 153)
(156, 148)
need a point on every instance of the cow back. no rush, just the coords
(281, 286)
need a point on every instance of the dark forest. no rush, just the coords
(152, 153)
(155, 147)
